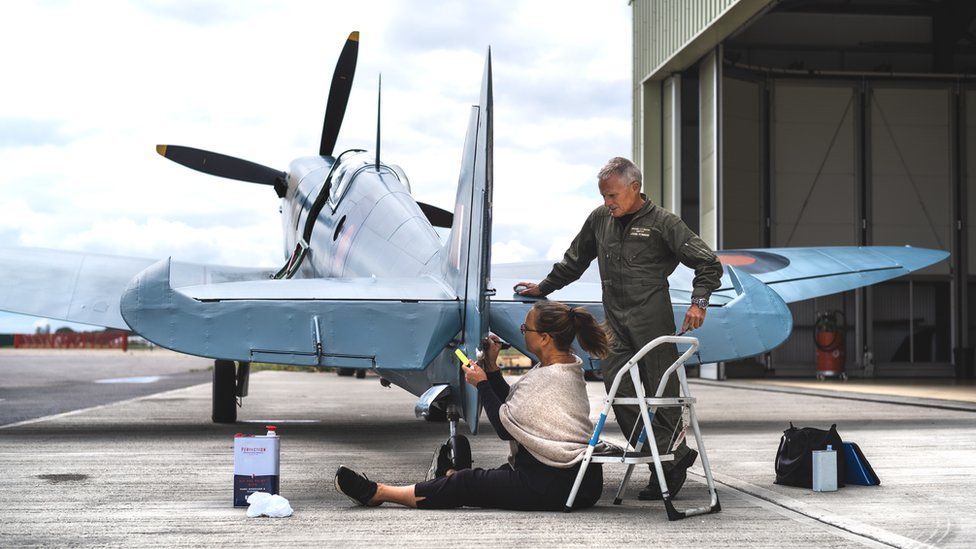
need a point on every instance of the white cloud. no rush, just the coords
(109, 80)
(512, 251)
(558, 247)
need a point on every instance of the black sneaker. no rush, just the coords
(354, 485)
(440, 463)
(676, 479)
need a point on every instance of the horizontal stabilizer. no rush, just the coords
(350, 323)
(85, 287)
(437, 217)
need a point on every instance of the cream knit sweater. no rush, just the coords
(547, 411)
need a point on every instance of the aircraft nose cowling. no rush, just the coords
(756, 321)
(363, 325)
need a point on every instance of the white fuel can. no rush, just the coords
(256, 465)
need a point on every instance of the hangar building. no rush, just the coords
(822, 123)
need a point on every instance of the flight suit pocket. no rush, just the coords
(642, 253)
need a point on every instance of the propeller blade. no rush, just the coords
(436, 216)
(222, 165)
(335, 108)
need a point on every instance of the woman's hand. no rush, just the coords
(492, 345)
(474, 374)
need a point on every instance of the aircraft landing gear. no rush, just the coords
(460, 446)
(230, 382)
(224, 392)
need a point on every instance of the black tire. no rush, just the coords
(224, 392)
(462, 452)
(360, 374)
(345, 371)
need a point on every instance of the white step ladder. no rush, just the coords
(648, 405)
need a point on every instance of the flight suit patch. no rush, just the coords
(640, 232)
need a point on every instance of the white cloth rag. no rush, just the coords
(263, 503)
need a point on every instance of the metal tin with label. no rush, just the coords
(256, 465)
(825, 470)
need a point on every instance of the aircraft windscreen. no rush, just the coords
(344, 174)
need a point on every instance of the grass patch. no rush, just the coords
(267, 366)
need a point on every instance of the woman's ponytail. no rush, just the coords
(591, 336)
(565, 323)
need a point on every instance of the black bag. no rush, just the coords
(794, 459)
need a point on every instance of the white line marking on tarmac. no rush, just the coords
(793, 515)
(99, 407)
(844, 524)
(142, 379)
(278, 421)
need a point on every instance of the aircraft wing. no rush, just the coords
(390, 323)
(747, 315)
(793, 273)
(750, 321)
(86, 287)
(805, 273)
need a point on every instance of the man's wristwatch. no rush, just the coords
(702, 302)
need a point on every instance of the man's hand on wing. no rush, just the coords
(694, 318)
(528, 289)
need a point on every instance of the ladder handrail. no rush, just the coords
(682, 340)
(684, 400)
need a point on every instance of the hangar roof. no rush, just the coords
(920, 36)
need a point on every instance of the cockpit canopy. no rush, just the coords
(351, 165)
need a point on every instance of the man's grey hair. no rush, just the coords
(622, 167)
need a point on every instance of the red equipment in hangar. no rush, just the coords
(828, 335)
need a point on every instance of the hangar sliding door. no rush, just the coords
(970, 217)
(911, 204)
(742, 197)
(814, 196)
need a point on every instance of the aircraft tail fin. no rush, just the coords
(467, 263)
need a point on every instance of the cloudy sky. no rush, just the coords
(90, 89)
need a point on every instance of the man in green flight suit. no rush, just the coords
(637, 245)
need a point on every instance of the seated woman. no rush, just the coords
(544, 416)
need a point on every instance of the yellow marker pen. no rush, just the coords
(464, 359)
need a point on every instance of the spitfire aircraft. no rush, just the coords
(368, 284)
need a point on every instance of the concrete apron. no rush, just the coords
(155, 471)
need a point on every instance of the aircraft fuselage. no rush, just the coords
(366, 208)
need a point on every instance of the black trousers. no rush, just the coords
(528, 486)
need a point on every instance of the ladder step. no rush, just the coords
(616, 455)
(659, 402)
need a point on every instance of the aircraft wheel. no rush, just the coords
(360, 374)
(224, 392)
(345, 371)
(462, 452)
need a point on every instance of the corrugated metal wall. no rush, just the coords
(663, 27)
